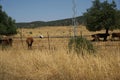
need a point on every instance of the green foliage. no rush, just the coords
(80, 44)
(2, 29)
(7, 24)
(30, 32)
(102, 15)
(118, 20)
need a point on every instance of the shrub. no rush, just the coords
(80, 44)
(30, 32)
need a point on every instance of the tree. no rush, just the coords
(118, 19)
(7, 24)
(102, 15)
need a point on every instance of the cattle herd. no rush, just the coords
(97, 37)
(7, 41)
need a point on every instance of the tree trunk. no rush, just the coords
(106, 34)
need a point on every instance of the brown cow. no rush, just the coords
(115, 35)
(99, 35)
(29, 42)
(6, 41)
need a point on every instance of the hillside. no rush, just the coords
(63, 22)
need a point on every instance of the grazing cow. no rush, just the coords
(115, 35)
(10, 41)
(29, 42)
(6, 41)
(98, 36)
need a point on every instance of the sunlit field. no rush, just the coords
(50, 59)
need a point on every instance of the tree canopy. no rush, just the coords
(102, 15)
(7, 24)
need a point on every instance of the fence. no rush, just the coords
(56, 42)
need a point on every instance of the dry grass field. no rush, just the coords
(50, 59)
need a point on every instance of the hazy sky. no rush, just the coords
(44, 10)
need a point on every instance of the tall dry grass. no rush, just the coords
(22, 64)
(40, 63)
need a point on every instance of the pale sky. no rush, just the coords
(45, 10)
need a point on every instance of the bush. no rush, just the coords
(30, 32)
(80, 44)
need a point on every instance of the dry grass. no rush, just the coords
(58, 65)
(58, 31)
(40, 63)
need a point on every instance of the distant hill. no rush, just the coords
(63, 22)
(31, 24)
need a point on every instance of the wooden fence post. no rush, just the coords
(21, 37)
(48, 40)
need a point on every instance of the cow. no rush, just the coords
(96, 37)
(10, 41)
(29, 42)
(6, 41)
(115, 35)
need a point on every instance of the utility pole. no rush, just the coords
(74, 21)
